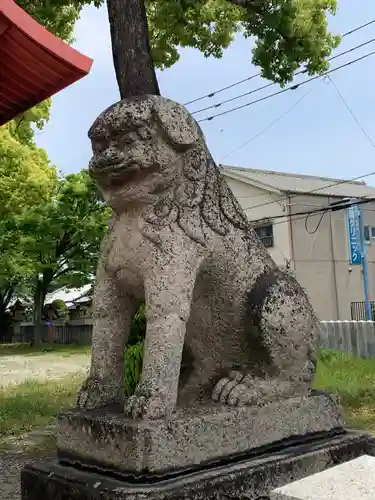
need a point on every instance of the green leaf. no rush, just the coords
(133, 367)
(287, 33)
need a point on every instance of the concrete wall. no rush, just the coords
(249, 197)
(321, 259)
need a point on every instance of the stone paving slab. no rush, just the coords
(354, 480)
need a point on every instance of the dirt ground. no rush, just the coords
(10, 473)
(11, 464)
(17, 451)
(10, 470)
(19, 368)
(23, 449)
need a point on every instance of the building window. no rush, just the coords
(372, 233)
(265, 234)
(366, 233)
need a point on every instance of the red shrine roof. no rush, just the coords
(34, 64)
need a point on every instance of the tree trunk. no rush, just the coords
(5, 298)
(3, 325)
(131, 48)
(39, 298)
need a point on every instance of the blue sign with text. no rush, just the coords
(354, 235)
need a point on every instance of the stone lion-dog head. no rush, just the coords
(149, 151)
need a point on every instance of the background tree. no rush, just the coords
(63, 239)
(15, 268)
(57, 16)
(58, 308)
(27, 180)
(287, 33)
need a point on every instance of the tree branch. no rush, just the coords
(63, 245)
(8, 295)
(247, 3)
(61, 272)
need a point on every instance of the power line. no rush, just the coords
(258, 134)
(322, 217)
(317, 226)
(272, 84)
(212, 94)
(292, 107)
(222, 89)
(289, 219)
(309, 213)
(324, 208)
(352, 113)
(292, 87)
(358, 28)
(303, 217)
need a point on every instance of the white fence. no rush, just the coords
(354, 337)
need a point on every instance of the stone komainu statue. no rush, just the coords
(216, 302)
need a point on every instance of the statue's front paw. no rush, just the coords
(234, 390)
(145, 403)
(97, 393)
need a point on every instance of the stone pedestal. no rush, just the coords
(246, 478)
(354, 480)
(190, 439)
(202, 453)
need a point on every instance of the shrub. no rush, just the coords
(138, 327)
(58, 308)
(133, 367)
(134, 352)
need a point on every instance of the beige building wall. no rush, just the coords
(249, 197)
(321, 259)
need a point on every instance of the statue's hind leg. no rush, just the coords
(283, 326)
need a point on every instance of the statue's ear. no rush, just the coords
(176, 122)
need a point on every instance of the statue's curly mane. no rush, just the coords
(200, 200)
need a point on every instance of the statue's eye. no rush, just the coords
(128, 138)
(145, 133)
(98, 146)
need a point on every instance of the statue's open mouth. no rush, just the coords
(116, 173)
(113, 169)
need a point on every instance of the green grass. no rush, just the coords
(26, 350)
(33, 404)
(354, 380)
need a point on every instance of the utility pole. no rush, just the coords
(364, 248)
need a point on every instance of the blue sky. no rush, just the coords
(317, 137)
